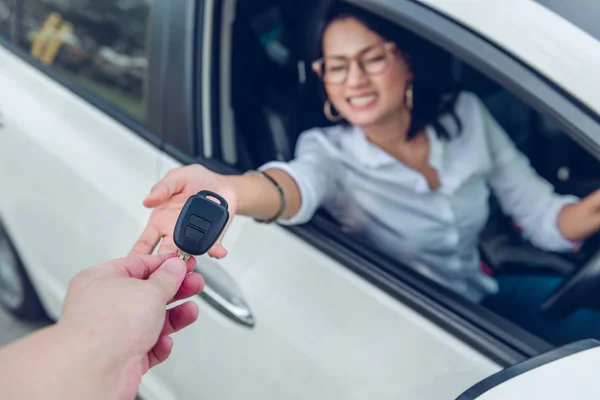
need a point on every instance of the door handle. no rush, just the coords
(1, 120)
(221, 292)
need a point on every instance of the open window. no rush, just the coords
(275, 97)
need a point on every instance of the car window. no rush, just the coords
(7, 9)
(283, 100)
(554, 155)
(100, 46)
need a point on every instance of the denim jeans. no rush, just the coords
(519, 300)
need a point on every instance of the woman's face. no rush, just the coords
(363, 98)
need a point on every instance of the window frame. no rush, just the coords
(173, 103)
(500, 340)
(142, 129)
(201, 109)
(191, 129)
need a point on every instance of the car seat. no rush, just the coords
(502, 245)
(274, 99)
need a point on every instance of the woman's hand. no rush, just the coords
(167, 198)
(579, 221)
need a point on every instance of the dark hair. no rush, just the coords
(435, 92)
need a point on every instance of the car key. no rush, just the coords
(200, 224)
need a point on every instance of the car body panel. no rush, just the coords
(72, 177)
(554, 47)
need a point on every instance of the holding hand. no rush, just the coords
(167, 198)
(114, 328)
(122, 303)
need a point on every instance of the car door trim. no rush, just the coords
(223, 97)
(176, 94)
(207, 84)
(500, 377)
(157, 57)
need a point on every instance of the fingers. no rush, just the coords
(192, 285)
(170, 185)
(191, 264)
(168, 278)
(148, 239)
(140, 266)
(180, 317)
(161, 225)
(167, 245)
(176, 319)
(217, 251)
(161, 351)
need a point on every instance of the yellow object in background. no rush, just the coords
(41, 39)
(56, 42)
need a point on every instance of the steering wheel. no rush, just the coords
(581, 289)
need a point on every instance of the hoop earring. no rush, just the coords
(409, 96)
(328, 110)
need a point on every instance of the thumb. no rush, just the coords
(158, 195)
(169, 277)
(170, 185)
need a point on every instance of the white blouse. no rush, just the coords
(380, 200)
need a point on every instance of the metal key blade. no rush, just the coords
(182, 255)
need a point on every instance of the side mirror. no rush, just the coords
(569, 372)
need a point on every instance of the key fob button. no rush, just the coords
(193, 234)
(199, 222)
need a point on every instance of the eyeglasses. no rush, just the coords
(372, 61)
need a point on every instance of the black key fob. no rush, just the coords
(200, 223)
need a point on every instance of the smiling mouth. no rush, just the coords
(362, 102)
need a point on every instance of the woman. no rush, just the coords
(409, 169)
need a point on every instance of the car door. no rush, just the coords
(76, 158)
(280, 319)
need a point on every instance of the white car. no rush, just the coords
(299, 312)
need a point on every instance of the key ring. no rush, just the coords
(207, 193)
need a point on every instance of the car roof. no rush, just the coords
(581, 13)
(537, 35)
